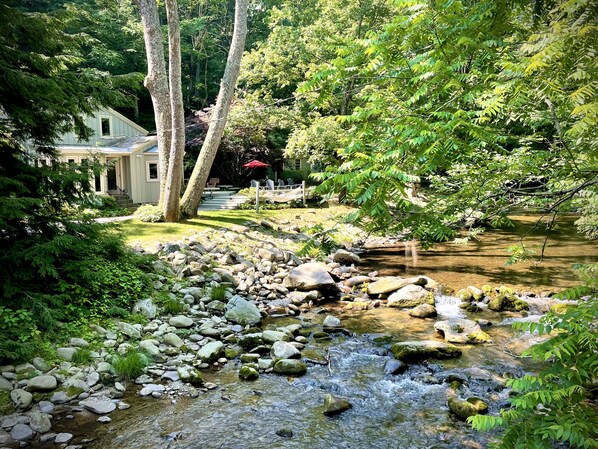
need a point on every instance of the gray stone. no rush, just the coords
(357, 280)
(331, 322)
(21, 432)
(334, 405)
(172, 376)
(345, 257)
(284, 350)
(66, 353)
(242, 311)
(5, 384)
(461, 331)
(45, 406)
(211, 351)
(310, 276)
(128, 330)
(47, 437)
(21, 398)
(423, 311)
(149, 347)
(152, 388)
(63, 438)
(290, 366)
(391, 284)
(173, 340)
(99, 329)
(180, 321)
(104, 419)
(395, 367)
(104, 367)
(250, 341)
(42, 384)
(25, 368)
(427, 349)
(40, 364)
(274, 336)
(98, 406)
(40, 422)
(146, 307)
(93, 379)
(410, 296)
(78, 342)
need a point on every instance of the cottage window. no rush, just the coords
(106, 126)
(297, 164)
(152, 171)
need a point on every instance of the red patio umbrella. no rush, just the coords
(255, 164)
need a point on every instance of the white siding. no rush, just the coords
(141, 190)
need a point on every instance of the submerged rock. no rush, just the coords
(98, 406)
(395, 367)
(414, 351)
(334, 405)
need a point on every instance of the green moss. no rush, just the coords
(465, 295)
(479, 337)
(6, 405)
(231, 353)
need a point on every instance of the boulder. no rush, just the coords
(410, 296)
(66, 353)
(180, 322)
(477, 293)
(98, 406)
(345, 257)
(250, 341)
(284, 350)
(40, 422)
(391, 284)
(331, 322)
(461, 331)
(42, 383)
(414, 351)
(190, 375)
(79, 342)
(310, 276)
(507, 302)
(21, 398)
(5, 384)
(211, 352)
(466, 408)
(40, 364)
(334, 405)
(129, 330)
(274, 336)
(21, 432)
(146, 307)
(423, 311)
(149, 347)
(292, 367)
(242, 311)
(173, 340)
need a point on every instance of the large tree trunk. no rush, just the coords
(156, 82)
(172, 190)
(201, 171)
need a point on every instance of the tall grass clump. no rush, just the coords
(131, 365)
(218, 293)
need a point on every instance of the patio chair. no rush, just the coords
(290, 182)
(269, 184)
(253, 183)
(213, 182)
(281, 184)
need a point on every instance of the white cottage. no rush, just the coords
(131, 155)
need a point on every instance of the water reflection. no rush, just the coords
(483, 262)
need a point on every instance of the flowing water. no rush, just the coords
(483, 262)
(389, 411)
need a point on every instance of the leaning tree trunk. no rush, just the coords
(201, 171)
(172, 190)
(156, 82)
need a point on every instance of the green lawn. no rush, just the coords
(148, 233)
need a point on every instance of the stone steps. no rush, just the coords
(221, 201)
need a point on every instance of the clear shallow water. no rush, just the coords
(483, 262)
(402, 411)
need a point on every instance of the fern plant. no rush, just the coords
(557, 405)
(321, 243)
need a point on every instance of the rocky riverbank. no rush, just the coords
(225, 284)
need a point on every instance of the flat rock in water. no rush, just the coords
(410, 296)
(284, 350)
(211, 351)
(415, 351)
(98, 406)
(274, 336)
(357, 280)
(310, 276)
(63, 438)
(391, 284)
(461, 331)
(423, 311)
(345, 257)
(331, 322)
(290, 366)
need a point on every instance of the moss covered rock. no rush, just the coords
(292, 367)
(248, 373)
(410, 296)
(561, 308)
(463, 409)
(6, 404)
(507, 302)
(414, 351)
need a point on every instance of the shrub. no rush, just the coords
(219, 293)
(131, 365)
(173, 306)
(149, 213)
(555, 406)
